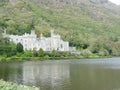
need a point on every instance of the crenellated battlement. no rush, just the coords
(31, 42)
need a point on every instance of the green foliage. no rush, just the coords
(103, 52)
(41, 52)
(76, 20)
(3, 24)
(116, 49)
(46, 57)
(87, 26)
(93, 56)
(23, 28)
(12, 86)
(86, 53)
(19, 48)
(101, 43)
(54, 53)
(7, 48)
(27, 53)
(35, 53)
(105, 47)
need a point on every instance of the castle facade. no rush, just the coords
(31, 42)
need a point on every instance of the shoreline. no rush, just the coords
(19, 59)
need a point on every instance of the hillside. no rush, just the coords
(81, 22)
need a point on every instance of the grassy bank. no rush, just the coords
(12, 86)
(14, 58)
(8, 59)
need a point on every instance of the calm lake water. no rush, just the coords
(86, 74)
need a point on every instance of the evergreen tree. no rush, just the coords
(41, 52)
(35, 53)
(19, 48)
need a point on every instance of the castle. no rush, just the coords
(31, 42)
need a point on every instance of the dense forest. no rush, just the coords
(90, 25)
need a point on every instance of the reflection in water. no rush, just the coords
(11, 72)
(65, 75)
(48, 76)
(94, 77)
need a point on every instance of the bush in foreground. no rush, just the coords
(12, 86)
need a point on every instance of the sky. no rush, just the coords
(115, 1)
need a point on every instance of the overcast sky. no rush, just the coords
(115, 1)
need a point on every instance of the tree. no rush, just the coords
(53, 53)
(28, 53)
(22, 28)
(12, 50)
(7, 48)
(116, 49)
(35, 53)
(103, 52)
(19, 48)
(41, 52)
(86, 53)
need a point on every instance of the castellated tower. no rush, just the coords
(52, 32)
(31, 42)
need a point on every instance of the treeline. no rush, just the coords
(81, 26)
(10, 51)
(99, 48)
(106, 47)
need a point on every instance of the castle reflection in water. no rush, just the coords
(46, 75)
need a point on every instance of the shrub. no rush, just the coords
(103, 52)
(86, 53)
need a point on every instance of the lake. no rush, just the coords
(84, 74)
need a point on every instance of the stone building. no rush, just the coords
(31, 42)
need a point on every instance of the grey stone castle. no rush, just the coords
(31, 42)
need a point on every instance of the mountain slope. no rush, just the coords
(79, 21)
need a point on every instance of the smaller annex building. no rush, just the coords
(31, 42)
